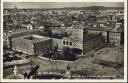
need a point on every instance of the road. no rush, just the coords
(78, 65)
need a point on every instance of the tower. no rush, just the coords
(15, 9)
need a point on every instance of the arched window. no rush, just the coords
(71, 43)
(64, 42)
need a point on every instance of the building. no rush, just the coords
(116, 35)
(80, 39)
(78, 33)
(57, 30)
(8, 36)
(69, 42)
(92, 41)
(83, 40)
(75, 41)
(56, 43)
(29, 26)
(32, 44)
(103, 31)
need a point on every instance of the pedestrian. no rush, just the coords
(25, 75)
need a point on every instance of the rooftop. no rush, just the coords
(33, 38)
(78, 27)
(117, 30)
(71, 39)
(99, 28)
(86, 37)
(91, 35)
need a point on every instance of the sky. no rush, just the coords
(59, 4)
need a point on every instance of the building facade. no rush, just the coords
(116, 35)
(116, 38)
(31, 44)
(56, 43)
(83, 40)
(92, 42)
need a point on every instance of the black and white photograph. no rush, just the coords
(63, 40)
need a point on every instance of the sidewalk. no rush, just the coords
(12, 76)
(55, 60)
(16, 62)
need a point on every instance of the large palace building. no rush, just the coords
(81, 38)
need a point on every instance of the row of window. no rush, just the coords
(74, 44)
(114, 34)
(67, 43)
(114, 39)
(116, 42)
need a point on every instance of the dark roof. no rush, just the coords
(99, 28)
(117, 30)
(91, 36)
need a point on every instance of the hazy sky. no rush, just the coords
(59, 4)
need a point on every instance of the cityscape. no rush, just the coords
(47, 40)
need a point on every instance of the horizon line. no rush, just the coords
(60, 4)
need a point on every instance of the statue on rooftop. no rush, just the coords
(15, 71)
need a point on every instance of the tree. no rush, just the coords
(49, 53)
(55, 52)
(77, 51)
(20, 53)
(15, 52)
(6, 56)
(55, 48)
(69, 54)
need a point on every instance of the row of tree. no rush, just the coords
(67, 54)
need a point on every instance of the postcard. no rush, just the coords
(63, 41)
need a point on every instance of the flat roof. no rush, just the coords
(86, 37)
(99, 28)
(71, 39)
(36, 38)
(90, 36)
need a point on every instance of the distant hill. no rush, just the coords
(84, 8)
(97, 8)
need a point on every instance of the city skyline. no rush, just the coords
(60, 4)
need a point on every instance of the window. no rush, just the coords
(74, 44)
(64, 42)
(71, 43)
(115, 42)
